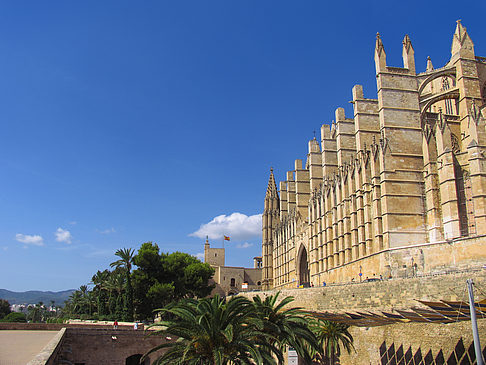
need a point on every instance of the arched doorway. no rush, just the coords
(303, 266)
(135, 360)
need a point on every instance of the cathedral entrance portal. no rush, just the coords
(303, 267)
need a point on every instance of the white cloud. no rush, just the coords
(35, 240)
(63, 235)
(108, 231)
(244, 245)
(73, 223)
(236, 225)
(200, 256)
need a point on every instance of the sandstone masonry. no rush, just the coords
(398, 188)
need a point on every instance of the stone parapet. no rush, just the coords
(382, 295)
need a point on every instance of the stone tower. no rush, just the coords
(270, 218)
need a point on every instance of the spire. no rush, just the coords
(380, 56)
(408, 54)
(462, 43)
(272, 186)
(430, 67)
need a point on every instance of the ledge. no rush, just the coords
(44, 357)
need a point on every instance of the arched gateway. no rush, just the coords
(303, 266)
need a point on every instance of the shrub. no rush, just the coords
(14, 317)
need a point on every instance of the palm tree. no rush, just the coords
(114, 285)
(99, 280)
(75, 302)
(214, 331)
(86, 299)
(331, 336)
(288, 327)
(126, 260)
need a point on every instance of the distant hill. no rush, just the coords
(35, 296)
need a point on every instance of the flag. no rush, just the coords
(226, 238)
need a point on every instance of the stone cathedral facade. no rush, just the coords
(397, 189)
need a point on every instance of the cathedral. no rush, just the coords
(398, 189)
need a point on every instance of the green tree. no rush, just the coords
(99, 280)
(331, 336)
(150, 281)
(4, 308)
(74, 304)
(125, 262)
(188, 275)
(287, 326)
(80, 302)
(163, 278)
(35, 312)
(14, 317)
(214, 331)
(116, 285)
(85, 302)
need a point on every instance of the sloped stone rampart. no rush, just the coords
(450, 340)
(383, 295)
(420, 339)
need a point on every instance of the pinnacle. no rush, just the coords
(379, 44)
(430, 67)
(460, 29)
(407, 43)
(461, 42)
(272, 186)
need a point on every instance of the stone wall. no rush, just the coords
(417, 339)
(59, 326)
(224, 276)
(50, 352)
(400, 293)
(440, 340)
(402, 262)
(105, 346)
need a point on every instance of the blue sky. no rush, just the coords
(125, 122)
